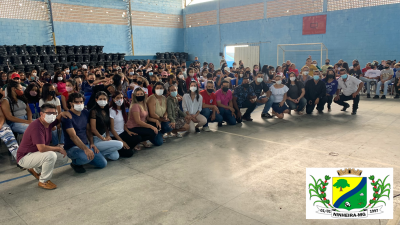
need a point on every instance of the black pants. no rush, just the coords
(329, 100)
(250, 108)
(320, 105)
(144, 133)
(132, 141)
(396, 86)
(343, 98)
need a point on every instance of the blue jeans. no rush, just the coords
(8, 138)
(267, 105)
(79, 157)
(19, 127)
(385, 87)
(227, 116)
(165, 128)
(54, 137)
(368, 81)
(109, 149)
(206, 112)
(299, 106)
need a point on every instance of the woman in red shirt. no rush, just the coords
(70, 88)
(191, 77)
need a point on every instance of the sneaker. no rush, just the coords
(320, 112)
(247, 119)
(344, 108)
(206, 129)
(383, 97)
(78, 168)
(266, 115)
(179, 135)
(219, 124)
(197, 129)
(354, 113)
(397, 96)
(368, 96)
(376, 97)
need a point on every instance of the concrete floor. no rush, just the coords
(252, 173)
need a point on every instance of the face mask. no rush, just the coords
(52, 93)
(4, 79)
(134, 80)
(193, 89)
(327, 63)
(19, 92)
(314, 64)
(60, 78)
(344, 76)
(174, 93)
(245, 85)
(234, 66)
(34, 74)
(102, 103)
(139, 82)
(47, 79)
(181, 76)
(210, 90)
(278, 82)
(387, 67)
(330, 76)
(256, 70)
(225, 89)
(140, 98)
(259, 79)
(316, 77)
(164, 80)
(191, 74)
(271, 76)
(67, 71)
(90, 81)
(159, 91)
(241, 75)
(33, 93)
(305, 73)
(150, 73)
(79, 107)
(174, 82)
(292, 78)
(69, 89)
(131, 73)
(119, 102)
(50, 118)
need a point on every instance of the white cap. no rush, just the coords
(84, 67)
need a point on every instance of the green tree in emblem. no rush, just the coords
(341, 183)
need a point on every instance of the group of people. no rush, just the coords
(92, 114)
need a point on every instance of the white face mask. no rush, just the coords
(34, 74)
(102, 103)
(305, 73)
(193, 89)
(119, 102)
(67, 71)
(191, 74)
(241, 75)
(259, 79)
(79, 107)
(131, 73)
(314, 64)
(159, 91)
(292, 78)
(181, 76)
(278, 82)
(60, 78)
(50, 118)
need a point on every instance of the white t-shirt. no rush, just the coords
(143, 88)
(55, 102)
(278, 93)
(350, 86)
(118, 121)
(373, 73)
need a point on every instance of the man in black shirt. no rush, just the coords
(356, 70)
(315, 93)
(260, 88)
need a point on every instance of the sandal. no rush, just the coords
(146, 145)
(138, 148)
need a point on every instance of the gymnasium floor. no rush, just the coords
(252, 173)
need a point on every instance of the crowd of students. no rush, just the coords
(92, 115)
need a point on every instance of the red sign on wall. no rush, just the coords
(314, 25)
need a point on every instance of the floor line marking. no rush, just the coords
(314, 150)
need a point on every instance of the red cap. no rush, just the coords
(14, 75)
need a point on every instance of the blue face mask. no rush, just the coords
(174, 93)
(344, 76)
(316, 77)
(150, 73)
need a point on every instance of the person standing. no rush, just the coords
(351, 88)
(325, 67)
(315, 93)
(35, 153)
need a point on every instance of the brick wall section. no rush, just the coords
(151, 19)
(88, 14)
(114, 4)
(279, 8)
(334, 5)
(23, 9)
(158, 6)
(201, 19)
(242, 13)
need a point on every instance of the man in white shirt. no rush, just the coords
(351, 88)
(371, 75)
